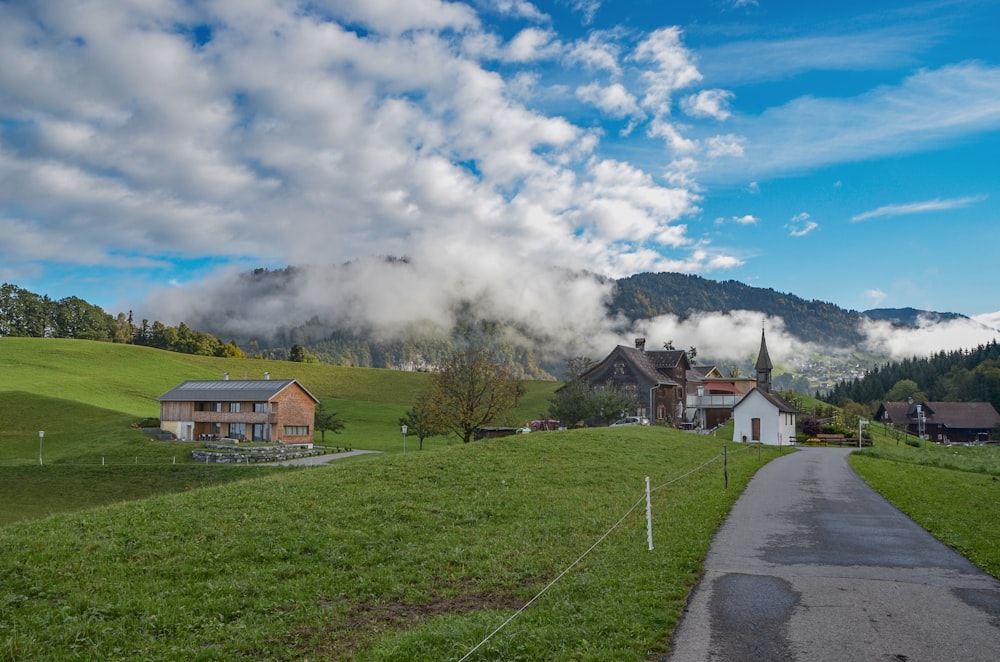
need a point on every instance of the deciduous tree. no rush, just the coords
(419, 420)
(471, 390)
(324, 420)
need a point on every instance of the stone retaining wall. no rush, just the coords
(225, 454)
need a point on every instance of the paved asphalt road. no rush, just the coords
(812, 564)
(315, 460)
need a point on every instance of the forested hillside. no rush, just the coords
(958, 376)
(26, 314)
(648, 295)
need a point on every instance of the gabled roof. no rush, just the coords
(230, 390)
(963, 414)
(699, 372)
(650, 364)
(896, 412)
(783, 405)
(647, 364)
(955, 415)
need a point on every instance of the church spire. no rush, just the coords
(764, 366)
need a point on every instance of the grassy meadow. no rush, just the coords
(119, 547)
(403, 557)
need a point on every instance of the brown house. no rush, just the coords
(656, 379)
(946, 422)
(266, 410)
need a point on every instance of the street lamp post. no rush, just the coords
(861, 423)
(41, 435)
(404, 439)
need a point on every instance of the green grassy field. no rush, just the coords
(120, 547)
(88, 396)
(409, 557)
(64, 376)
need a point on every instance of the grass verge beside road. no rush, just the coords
(404, 557)
(952, 491)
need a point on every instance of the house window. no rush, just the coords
(260, 407)
(755, 429)
(619, 367)
(238, 430)
(296, 430)
(234, 407)
(216, 429)
(260, 432)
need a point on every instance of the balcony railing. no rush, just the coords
(712, 401)
(234, 417)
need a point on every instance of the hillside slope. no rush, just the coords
(127, 379)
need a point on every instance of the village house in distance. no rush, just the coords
(942, 422)
(259, 410)
(668, 389)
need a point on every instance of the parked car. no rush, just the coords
(630, 420)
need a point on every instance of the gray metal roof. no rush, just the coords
(230, 390)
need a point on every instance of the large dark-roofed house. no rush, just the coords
(656, 379)
(946, 422)
(266, 410)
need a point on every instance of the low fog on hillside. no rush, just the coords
(561, 313)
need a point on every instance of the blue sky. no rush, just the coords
(149, 152)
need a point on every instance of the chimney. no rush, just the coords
(267, 375)
(225, 376)
(640, 344)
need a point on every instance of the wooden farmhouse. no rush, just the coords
(944, 422)
(260, 410)
(655, 379)
(763, 416)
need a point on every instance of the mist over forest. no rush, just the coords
(397, 310)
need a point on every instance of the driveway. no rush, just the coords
(812, 564)
(314, 460)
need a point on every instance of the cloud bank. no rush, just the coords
(316, 133)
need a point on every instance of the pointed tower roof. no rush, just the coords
(763, 359)
(764, 366)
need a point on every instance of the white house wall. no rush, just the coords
(776, 428)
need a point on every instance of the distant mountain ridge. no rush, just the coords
(638, 297)
(647, 295)
(910, 317)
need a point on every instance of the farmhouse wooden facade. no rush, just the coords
(262, 410)
(945, 422)
(655, 379)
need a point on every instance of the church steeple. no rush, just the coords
(764, 366)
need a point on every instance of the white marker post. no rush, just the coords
(41, 435)
(649, 516)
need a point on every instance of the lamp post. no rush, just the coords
(41, 435)
(861, 423)
(404, 440)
